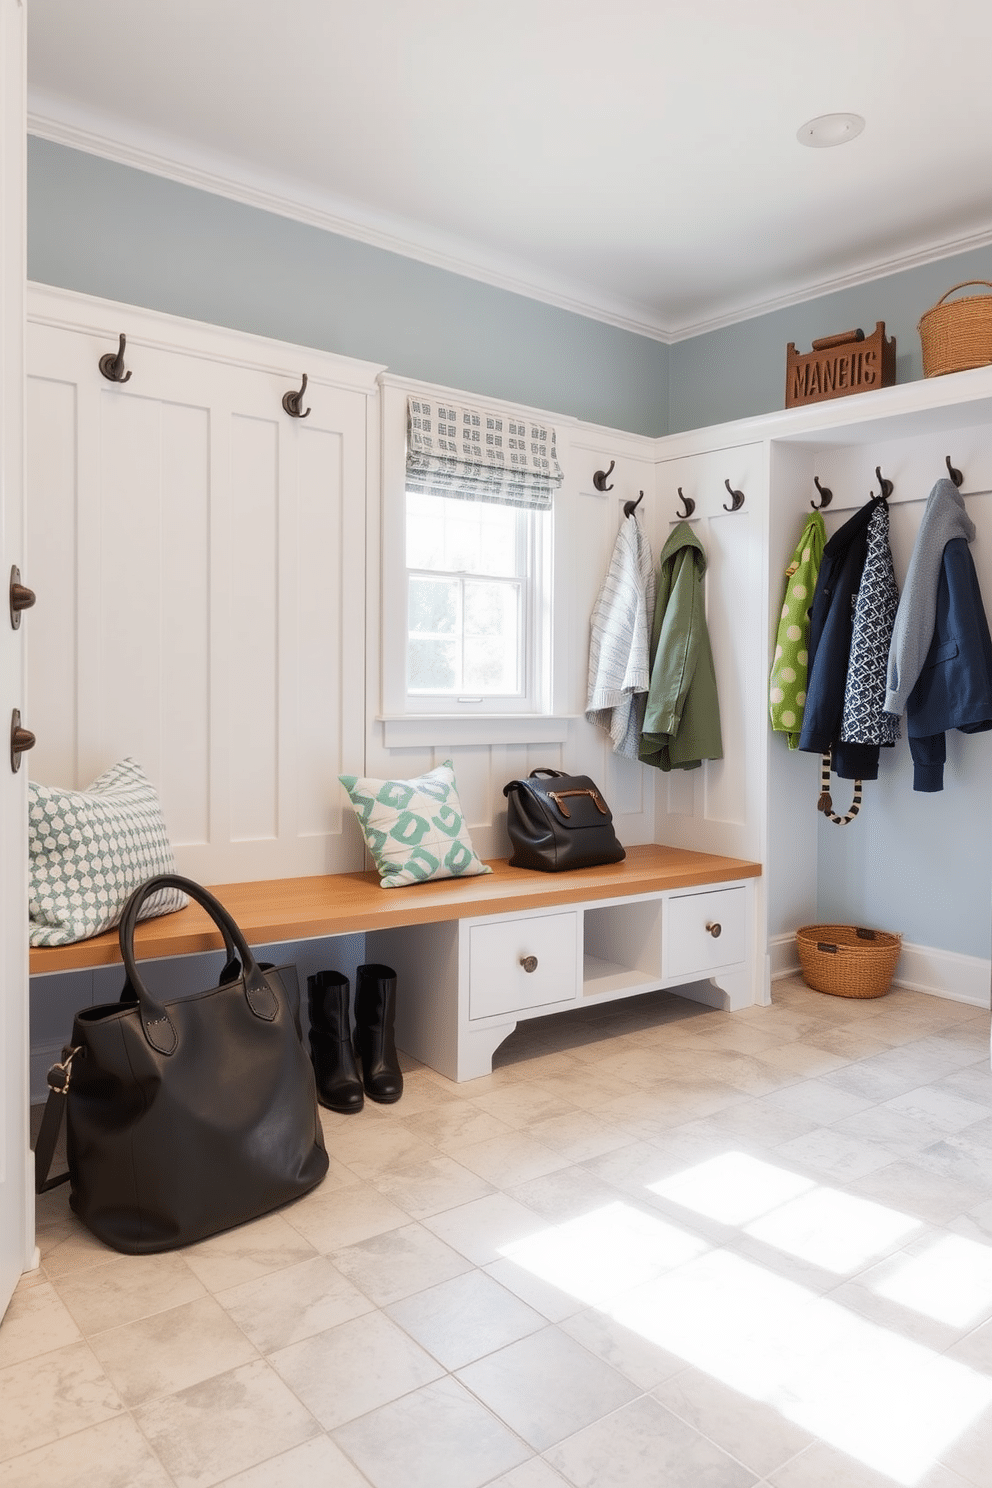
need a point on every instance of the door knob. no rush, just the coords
(21, 739)
(21, 597)
(714, 927)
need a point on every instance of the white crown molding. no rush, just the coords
(180, 161)
(865, 273)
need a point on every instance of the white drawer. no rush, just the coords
(500, 955)
(704, 931)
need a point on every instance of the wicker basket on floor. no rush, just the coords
(847, 960)
(957, 335)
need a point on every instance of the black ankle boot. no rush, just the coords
(339, 1085)
(375, 1011)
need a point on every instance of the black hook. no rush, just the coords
(293, 402)
(629, 507)
(602, 476)
(688, 503)
(955, 474)
(112, 364)
(737, 498)
(826, 495)
(886, 485)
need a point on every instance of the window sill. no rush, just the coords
(419, 729)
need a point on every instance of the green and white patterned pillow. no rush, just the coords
(90, 850)
(414, 829)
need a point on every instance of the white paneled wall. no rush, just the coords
(199, 557)
(720, 806)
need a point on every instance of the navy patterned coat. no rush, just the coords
(831, 628)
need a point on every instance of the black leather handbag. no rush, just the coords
(559, 823)
(188, 1117)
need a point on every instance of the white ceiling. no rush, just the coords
(635, 160)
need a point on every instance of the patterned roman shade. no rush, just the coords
(454, 450)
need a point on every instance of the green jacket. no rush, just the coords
(682, 717)
(790, 668)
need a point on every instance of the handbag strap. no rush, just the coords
(51, 1124)
(515, 785)
(158, 1027)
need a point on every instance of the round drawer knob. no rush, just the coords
(714, 927)
(529, 963)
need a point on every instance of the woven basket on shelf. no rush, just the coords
(847, 960)
(958, 335)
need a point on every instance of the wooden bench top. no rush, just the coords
(287, 909)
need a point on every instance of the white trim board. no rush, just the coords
(69, 309)
(920, 969)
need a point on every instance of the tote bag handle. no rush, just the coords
(158, 1027)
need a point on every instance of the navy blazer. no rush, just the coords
(830, 628)
(954, 689)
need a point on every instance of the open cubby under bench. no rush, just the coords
(473, 956)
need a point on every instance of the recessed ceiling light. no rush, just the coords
(830, 129)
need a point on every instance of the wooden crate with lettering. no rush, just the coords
(837, 366)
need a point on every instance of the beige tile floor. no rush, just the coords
(660, 1245)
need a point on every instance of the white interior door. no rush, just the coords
(16, 1204)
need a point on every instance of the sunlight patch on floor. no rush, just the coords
(732, 1188)
(884, 1399)
(834, 1230)
(796, 1215)
(951, 1281)
(606, 1252)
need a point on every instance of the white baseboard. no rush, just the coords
(783, 958)
(920, 969)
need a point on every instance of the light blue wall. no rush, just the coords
(740, 371)
(917, 864)
(109, 230)
(911, 862)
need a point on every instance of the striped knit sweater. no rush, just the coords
(619, 665)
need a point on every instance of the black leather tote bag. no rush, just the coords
(559, 823)
(187, 1117)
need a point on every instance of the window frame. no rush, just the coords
(414, 719)
(532, 577)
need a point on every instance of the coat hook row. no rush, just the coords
(688, 503)
(629, 507)
(293, 401)
(112, 363)
(736, 497)
(602, 476)
(826, 495)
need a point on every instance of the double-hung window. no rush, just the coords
(477, 560)
(471, 602)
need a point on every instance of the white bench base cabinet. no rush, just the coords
(463, 985)
(474, 956)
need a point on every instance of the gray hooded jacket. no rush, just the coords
(944, 518)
